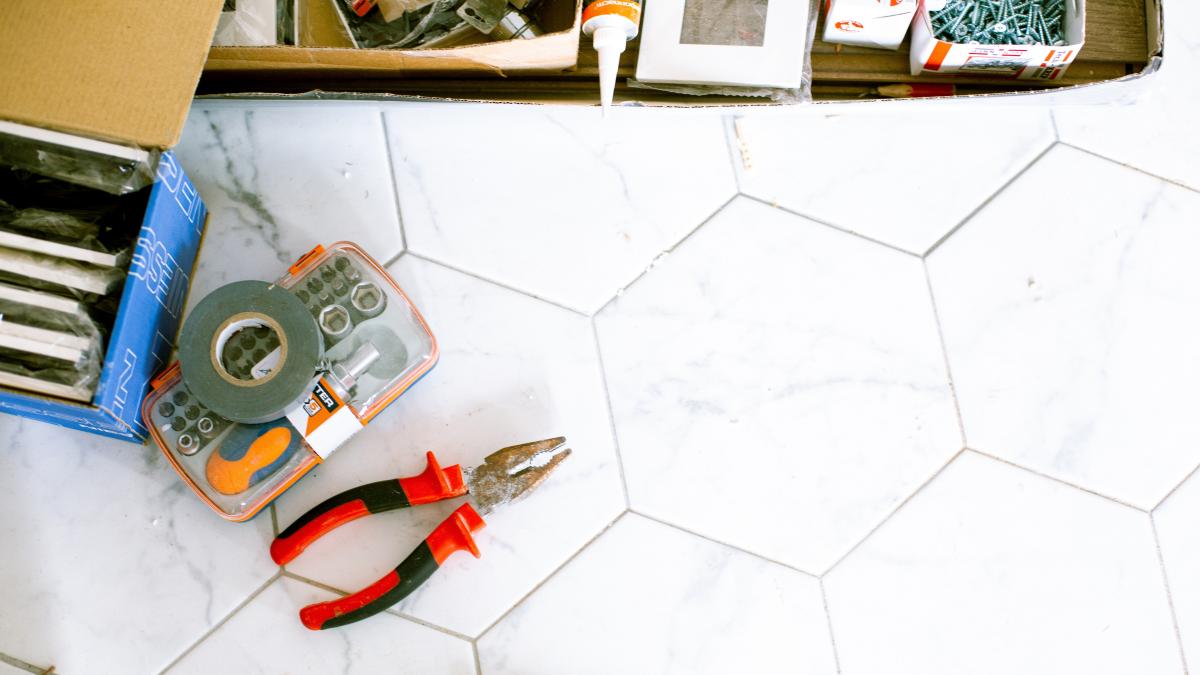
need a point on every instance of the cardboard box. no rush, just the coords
(1023, 62)
(1124, 46)
(868, 23)
(115, 88)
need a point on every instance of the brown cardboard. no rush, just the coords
(320, 26)
(117, 70)
(553, 52)
(1124, 43)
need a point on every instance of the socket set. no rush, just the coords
(269, 383)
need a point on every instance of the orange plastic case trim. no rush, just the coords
(171, 374)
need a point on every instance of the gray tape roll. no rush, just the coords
(221, 314)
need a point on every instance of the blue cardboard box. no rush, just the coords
(151, 310)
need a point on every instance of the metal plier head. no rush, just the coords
(511, 473)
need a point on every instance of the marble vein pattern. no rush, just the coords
(278, 180)
(776, 375)
(864, 171)
(552, 201)
(513, 369)
(1070, 335)
(647, 598)
(994, 570)
(110, 564)
(264, 638)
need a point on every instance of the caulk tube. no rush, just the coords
(611, 23)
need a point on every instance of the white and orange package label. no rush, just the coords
(868, 23)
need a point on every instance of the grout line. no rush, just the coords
(1060, 481)
(892, 514)
(394, 259)
(722, 544)
(832, 226)
(434, 261)
(1176, 488)
(391, 610)
(736, 162)
(1162, 565)
(1131, 167)
(387, 146)
(1054, 126)
(612, 419)
(984, 204)
(937, 320)
(837, 662)
(274, 520)
(24, 665)
(478, 664)
(222, 622)
(674, 247)
(552, 574)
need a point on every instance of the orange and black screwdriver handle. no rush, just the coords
(453, 534)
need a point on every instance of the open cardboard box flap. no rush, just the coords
(108, 69)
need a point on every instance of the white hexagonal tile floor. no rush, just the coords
(264, 638)
(776, 397)
(1072, 333)
(615, 609)
(992, 569)
(109, 564)
(775, 375)
(279, 179)
(867, 172)
(554, 203)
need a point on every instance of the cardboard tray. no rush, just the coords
(1124, 41)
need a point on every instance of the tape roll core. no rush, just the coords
(219, 316)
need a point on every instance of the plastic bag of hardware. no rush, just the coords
(256, 23)
(112, 168)
(354, 343)
(427, 24)
(801, 94)
(43, 215)
(49, 376)
(73, 339)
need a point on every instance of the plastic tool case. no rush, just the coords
(376, 345)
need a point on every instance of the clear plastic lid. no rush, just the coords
(376, 346)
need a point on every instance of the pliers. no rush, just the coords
(505, 476)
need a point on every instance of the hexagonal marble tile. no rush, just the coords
(265, 637)
(1047, 322)
(793, 448)
(279, 180)
(512, 369)
(110, 564)
(554, 202)
(1157, 133)
(992, 569)
(647, 598)
(819, 166)
(1178, 524)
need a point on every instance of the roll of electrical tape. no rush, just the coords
(286, 375)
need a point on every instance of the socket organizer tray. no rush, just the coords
(336, 333)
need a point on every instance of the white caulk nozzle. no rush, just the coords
(609, 42)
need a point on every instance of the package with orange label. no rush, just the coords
(273, 377)
(868, 23)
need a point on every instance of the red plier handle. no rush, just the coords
(453, 534)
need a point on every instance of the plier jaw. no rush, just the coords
(511, 473)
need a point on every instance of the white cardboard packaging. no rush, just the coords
(777, 62)
(1022, 62)
(868, 23)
